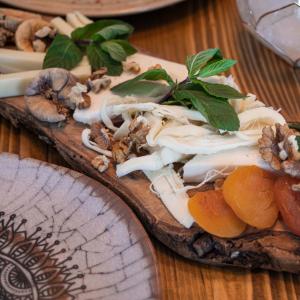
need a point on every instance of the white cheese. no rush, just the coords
(177, 72)
(168, 185)
(17, 61)
(196, 169)
(62, 26)
(73, 20)
(15, 84)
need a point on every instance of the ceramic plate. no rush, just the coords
(65, 236)
(95, 8)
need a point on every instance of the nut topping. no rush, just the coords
(101, 136)
(100, 163)
(132, 67)
(277, 148)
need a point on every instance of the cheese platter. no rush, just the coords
(193, 156)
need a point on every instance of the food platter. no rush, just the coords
(92, 8)
(116, 261)
(152, 120)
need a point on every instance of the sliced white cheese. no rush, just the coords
(73, 20)
(196, 169)
(167, 184)
(62, 26)
(17, 61)
(177, 72)
(15, 84)
(82, 18)
(151, 162)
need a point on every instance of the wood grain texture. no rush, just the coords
(96, 8)
(173, 33)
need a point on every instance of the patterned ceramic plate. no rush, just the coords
(96, 8)
(65, 236)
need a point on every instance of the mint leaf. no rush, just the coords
(126, 88)
(216, 67)
(62, 53)
(114, 31)
(86, 32)
(98, 58)
(220, 90)
(142, 85)
(294, 125)
(128, 48)
(115, 50)
(147, 89)
(195, 62)
(297, 138)
(220, 114)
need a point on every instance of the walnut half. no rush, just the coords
(276, 148)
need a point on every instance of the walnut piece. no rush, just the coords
(277, 149)
(6, 37)
(138, 130)
(99, 73)
(155, 67)
(101, 136)
(121, 150)
(100, 163)
(132, 67)
(97, 85)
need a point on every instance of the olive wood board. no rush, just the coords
(266, 249)
(91, 8)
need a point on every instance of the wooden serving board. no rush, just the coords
(268, 249)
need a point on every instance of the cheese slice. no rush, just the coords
(15, 60)
(177, 72)
(15, 84)
(196, 169)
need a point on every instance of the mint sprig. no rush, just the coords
(104, 42)
(210, 99)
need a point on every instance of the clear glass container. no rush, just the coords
(276, 23)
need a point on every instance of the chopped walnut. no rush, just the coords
(276, 148)
(6, 37)
(138, 130)
(132, 67)
(86, 101)
(99, 73)
(100, 163)
(101, 136)
(155, 67)
(97, 85)
(121, 150)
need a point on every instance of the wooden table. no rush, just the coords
(172, 33)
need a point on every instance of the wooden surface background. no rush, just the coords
(172, 33)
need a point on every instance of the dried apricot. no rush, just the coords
(288, 202)
(212, 213)
(249, 192)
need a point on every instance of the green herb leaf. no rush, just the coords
(115, 50)
(128, 48)
(147, 89)
(114, 31)
(294, 125)
(216, 67)
(98, 58)
(195, 62)
(220, 114)
(298, 142)
(86, 32)
(62, 53)
(146, 80)
(219, 90)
